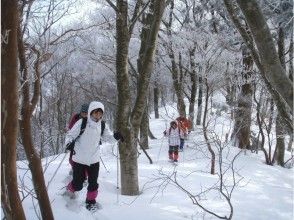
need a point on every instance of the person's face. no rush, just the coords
(97, 114)
(84, 114)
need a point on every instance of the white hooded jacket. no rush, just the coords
(87, 148)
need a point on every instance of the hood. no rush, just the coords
(94, 105)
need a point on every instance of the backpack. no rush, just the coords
(171, 128)
(71, 145)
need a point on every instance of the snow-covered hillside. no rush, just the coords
(264, 192)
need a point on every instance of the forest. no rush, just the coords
(137, 58)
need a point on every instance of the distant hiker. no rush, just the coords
(183, 124)
(86, 154)
(83, 114)
(173, 133)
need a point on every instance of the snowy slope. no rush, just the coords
(265, 192)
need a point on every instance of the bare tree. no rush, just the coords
(128, 119)
(175, 68)
(241, 133)
(280, 144)
(222, 187)
(273, 74)
(10, 199)
(267, 51)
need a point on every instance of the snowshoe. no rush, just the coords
(93, 206)
(69, 194)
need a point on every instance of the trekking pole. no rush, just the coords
(117, 173)
(57, 169)
(104, 165)
(160, 148)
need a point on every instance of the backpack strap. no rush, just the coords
(102, 130)
(178, 131)
(102, 127)
(83, 126)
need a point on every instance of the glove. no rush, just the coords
(70, 146)
(164, 133)
(117, 135)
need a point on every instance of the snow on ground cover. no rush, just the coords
(265, 192)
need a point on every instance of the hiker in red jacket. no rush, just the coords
(183, 124)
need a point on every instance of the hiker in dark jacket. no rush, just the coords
(87, 153)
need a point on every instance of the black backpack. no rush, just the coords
(71, 145)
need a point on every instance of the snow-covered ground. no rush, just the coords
(264, 193)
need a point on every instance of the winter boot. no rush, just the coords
(92, 205)
(170, 155)
(70, 191)
(69, 194)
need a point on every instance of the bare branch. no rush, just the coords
(112, 5)
(53, 42)
(137, 14)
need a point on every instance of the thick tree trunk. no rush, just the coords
(274, 71)
(280, 140)
(147, 64)
(127, 149)
(11, 203)
(128, 122)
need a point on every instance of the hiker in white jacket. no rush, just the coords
(86, 154)
(174, 134)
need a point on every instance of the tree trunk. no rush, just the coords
(274, 71)
(156, 100)
(241, 132)
(270, 84)
(11, 203)
(127, 149)
(291, 52)
(128, 122)
(193, 78)
(144, 127)
(175, 70)
(27, 107)
(204, 125)
(200, 94)
(260, 126)
(280, 142)
(290, 144)
(156, 12)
